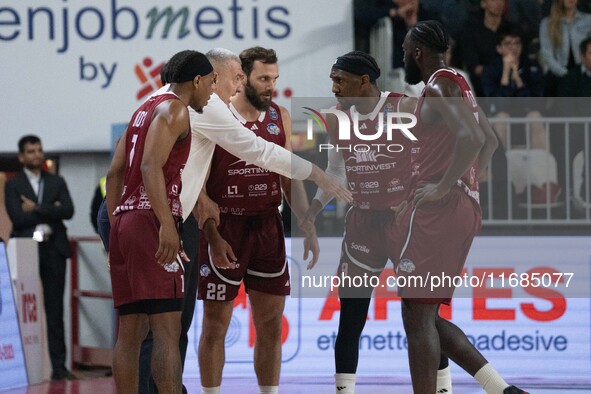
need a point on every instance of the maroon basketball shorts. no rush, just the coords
(438, 236)
(259, 244)
(136, 275)
(370, 239)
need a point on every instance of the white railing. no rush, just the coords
(547, 186)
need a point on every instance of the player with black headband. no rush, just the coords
(143, 198)
(443, 214)
(372, 236)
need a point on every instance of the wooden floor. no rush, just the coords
(91, 384)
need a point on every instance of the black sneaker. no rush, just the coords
(63, 374)
(514, 390)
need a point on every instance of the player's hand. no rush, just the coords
(330, 185)
(207, 209)
(308, 226)
(27, 205)
(427, 193)
(221, 254)
(170, 244)
(311, 245)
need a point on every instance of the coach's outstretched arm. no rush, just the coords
(217, 126)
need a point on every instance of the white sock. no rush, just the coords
(444, 380)
(210, 390)
(490, 380)
(268, 389)
(345, 383)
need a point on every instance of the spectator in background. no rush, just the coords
(577, 83)
(405, 14)
(527, 15)
(451, 13)
(452, 61)
(561, 33)
(37, 203)
(366, 14)
(514, 79)
(480, 40)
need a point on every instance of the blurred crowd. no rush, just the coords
(520, 57)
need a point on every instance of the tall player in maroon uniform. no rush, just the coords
(444, 214)
(248, 199)
(379, 181)
(144, 183)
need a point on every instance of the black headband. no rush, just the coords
(356, 66)
(198, 65)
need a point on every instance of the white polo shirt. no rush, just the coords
(217, 126)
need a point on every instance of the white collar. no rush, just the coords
(32, 176)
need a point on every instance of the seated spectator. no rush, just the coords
(526, 15)
(561, 33)
(577, 82)
(404, 15)
(480, 39)
(514, 81)
(513, 78)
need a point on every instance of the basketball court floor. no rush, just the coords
(105, 385)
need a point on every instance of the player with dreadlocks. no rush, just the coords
(371, 233)
(443, 214)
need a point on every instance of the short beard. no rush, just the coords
(412, 73)
(254, 99)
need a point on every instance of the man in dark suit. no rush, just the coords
(37, 202)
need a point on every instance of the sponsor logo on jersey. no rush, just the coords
(371, 168)
(254, 127)
(406, 265)
(361, 248)
(395, 186)
(204, 270)
(259, 187)
(363, 126)
(237, 211)
(273, 114)
(369, 156)
(246, 170)
(272, 128)
(369, 185)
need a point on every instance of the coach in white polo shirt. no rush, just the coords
(217, 125)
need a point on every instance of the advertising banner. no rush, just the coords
(12, 359)
(525, 331)
(75, 69)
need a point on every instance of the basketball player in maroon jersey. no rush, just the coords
(248, 198)
(372, 236)
(444, 214)
(144, 183)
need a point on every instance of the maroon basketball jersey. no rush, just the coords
(378, 171)
(134, 193)
(244, 189)
(437, 143)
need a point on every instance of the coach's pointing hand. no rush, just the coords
(330, 185)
